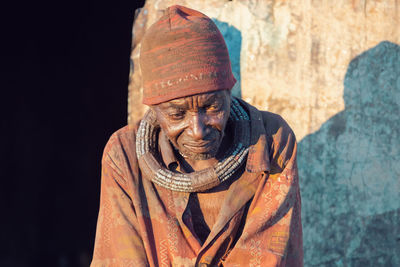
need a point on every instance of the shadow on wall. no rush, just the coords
(233, 40)
(350, 170)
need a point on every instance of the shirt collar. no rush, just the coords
(258, 157)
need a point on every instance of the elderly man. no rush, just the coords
(204, 179)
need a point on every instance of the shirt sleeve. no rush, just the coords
(118, 241)
(283, 195)
(285, 180)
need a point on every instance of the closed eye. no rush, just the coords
(176, 115)
(213, 107)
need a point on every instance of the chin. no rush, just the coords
(196, 156)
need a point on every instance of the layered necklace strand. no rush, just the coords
(146, 142)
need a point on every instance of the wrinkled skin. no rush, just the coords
(195, 125)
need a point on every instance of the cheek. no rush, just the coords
(172, 130)
(218, 121)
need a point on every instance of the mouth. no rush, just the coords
(199, 147)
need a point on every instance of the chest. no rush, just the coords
(210, 205)
(205, 208)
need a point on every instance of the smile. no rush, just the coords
(199, 147)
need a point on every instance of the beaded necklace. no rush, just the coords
(146, 140)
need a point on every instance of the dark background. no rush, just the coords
(64, 92)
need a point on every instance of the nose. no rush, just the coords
(197, 127)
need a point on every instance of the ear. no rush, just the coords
(153, 110)
(228, 94)
(151, 115)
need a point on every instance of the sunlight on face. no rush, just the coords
(195, 124)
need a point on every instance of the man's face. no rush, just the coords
(195, 124)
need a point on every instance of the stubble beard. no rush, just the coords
(185, 153)
(198, 156)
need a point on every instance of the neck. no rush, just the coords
(188, 165)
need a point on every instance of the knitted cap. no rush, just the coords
(183, 54)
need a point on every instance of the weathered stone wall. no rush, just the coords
(350, 169)
(332, 70)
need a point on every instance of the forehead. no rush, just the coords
(197, 100)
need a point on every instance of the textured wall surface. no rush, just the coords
(350, 169)
(331, 69)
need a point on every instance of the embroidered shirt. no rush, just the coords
(259, 224)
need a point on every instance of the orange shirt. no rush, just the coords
(259, 224)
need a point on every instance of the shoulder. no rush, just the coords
(120, 151)
(121, 139)
(281, 140)
(274, 124)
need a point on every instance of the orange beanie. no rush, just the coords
(183, 54)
